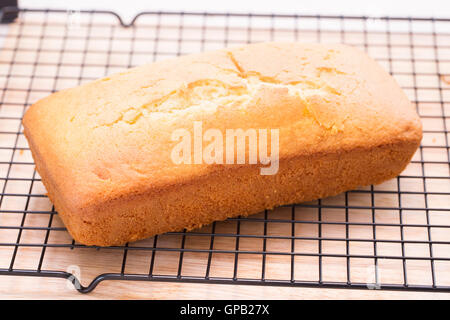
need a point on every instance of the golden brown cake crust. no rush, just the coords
(103, 149)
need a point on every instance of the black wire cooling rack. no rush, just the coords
(391, 236)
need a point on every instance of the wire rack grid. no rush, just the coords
(389, 236)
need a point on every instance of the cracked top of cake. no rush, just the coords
(112, 136)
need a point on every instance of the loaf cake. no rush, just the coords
(105, 149)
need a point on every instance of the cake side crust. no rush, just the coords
(238, 192)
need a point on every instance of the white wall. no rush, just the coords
(128, 8)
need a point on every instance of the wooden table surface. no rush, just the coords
(44, 288)
(63, 63)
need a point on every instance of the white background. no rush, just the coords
(128, 8)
